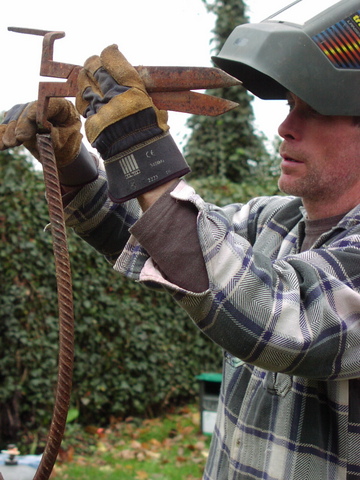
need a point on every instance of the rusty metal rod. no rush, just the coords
(65, 306)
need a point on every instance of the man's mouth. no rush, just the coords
(290, 159)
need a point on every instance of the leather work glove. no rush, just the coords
(75, 164)
(122, 123)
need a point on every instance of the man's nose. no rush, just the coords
(289, 128)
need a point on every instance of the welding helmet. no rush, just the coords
(310, 48)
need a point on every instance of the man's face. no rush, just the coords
(320, 158)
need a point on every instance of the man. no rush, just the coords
(274, 282)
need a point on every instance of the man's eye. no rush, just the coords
(291, 105)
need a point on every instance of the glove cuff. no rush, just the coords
(144, 167)
(82, 170)
(127, 133)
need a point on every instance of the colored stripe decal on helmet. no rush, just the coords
(341, 42)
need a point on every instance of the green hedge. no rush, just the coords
(136, 352)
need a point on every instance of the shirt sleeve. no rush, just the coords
(168, 232)
(99, 221)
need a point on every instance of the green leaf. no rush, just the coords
(73, 414)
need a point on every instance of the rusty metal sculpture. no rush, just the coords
(171, 89)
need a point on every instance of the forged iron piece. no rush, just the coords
(172, 85)
(170, 88)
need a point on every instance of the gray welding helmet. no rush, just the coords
(310, 48)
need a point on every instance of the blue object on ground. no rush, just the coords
(17, 472)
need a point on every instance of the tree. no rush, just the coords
(226, 147)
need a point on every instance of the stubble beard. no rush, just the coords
(306, 187)
(317, 185)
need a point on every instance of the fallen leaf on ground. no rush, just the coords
(141, 475)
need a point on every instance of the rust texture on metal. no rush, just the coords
(65, 307)
(168, 86)
(193, 102)
(167, 79)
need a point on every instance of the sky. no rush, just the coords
(156, 32)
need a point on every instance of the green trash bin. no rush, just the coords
(209, 392)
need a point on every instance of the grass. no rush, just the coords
(167, 448)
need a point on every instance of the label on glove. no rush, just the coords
(143, 168)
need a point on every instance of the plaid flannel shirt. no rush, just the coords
(289, 324)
